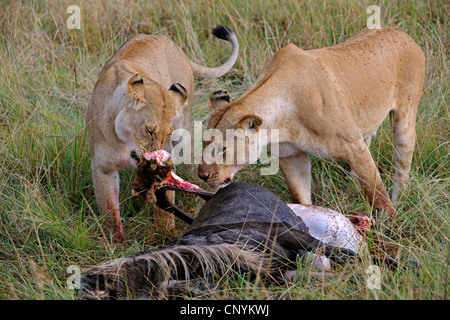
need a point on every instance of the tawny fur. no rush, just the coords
(143, 93)
(328, 102)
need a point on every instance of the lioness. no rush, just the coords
(328, 102)
(143, 92)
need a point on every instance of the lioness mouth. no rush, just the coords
(226, 181)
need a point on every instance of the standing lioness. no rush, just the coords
(328, 102)
(143, 92)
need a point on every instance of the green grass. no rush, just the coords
(48, 214)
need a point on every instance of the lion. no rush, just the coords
(143, 93)
(328, 102)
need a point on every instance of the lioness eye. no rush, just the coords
(149, 132)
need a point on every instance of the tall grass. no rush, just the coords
(48, 214)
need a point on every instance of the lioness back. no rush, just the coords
(386, 60)
(159, 56)
(369, 73)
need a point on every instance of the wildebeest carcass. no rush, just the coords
(242, 228)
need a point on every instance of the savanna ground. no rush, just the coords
(48, 214)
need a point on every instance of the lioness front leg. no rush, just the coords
(363, 165)
(297, 172)
(106, 188)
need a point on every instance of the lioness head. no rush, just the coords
(145, 121)
(230, 141)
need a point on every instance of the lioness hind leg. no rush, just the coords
(367, 141)
(363, 165)
(297, 172)
(404, 138)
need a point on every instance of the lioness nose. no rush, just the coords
(202, 174)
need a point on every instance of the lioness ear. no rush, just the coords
(134, 82)
(218, 99)
(251, 121)
(137, 102)
(179, 95)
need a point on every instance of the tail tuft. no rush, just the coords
(223, 32)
